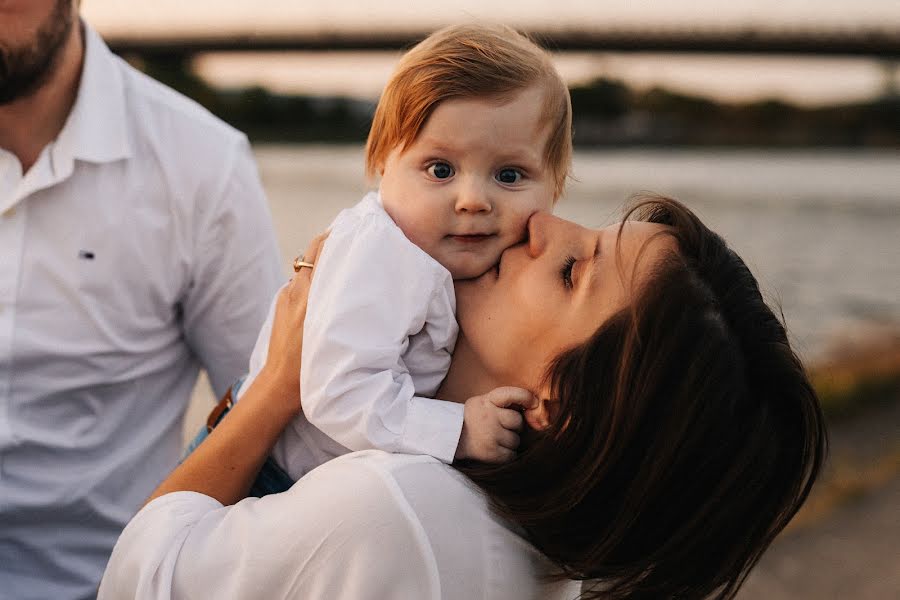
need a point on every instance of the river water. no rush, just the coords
(819, 229)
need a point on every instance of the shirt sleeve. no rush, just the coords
(342, 533)
(235, 270)
(373, 289)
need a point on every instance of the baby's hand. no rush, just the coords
(491, 424)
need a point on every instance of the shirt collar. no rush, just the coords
(96, 129)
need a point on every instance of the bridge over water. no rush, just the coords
(872, 43)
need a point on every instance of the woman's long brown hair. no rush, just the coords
(688, 433)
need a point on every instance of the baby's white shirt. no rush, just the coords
(377, 342)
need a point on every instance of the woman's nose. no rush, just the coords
(473, 198)
(539, 225)
(547, 231)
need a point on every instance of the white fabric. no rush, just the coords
(377, 342)
(136, 250)
(367, 526)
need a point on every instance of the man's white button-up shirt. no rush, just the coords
(137, 249)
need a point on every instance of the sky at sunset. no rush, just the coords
(807, 80)
(167, 16)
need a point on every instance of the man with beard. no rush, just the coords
(135, 248)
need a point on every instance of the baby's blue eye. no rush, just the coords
(509, 176)
(440, 170)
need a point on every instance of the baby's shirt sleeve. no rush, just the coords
(372, 292)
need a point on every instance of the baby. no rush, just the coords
(472, 135)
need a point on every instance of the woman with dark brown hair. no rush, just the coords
(676, 435)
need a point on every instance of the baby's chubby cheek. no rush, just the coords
(469, 267)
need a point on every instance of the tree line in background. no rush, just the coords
(606, 113)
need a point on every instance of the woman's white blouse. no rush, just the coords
(368, 525)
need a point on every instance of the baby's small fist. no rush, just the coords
(491, 423)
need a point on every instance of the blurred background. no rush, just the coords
(777, 121)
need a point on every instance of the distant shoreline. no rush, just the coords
(606, 113)
(265, 138)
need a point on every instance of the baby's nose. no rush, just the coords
(473, 198)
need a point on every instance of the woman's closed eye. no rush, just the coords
(440, 170)
(566, 271)
(509, 176)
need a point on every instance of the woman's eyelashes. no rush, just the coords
(566, 271)
(440, 170)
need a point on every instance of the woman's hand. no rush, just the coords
(282, 367)
(226, 463)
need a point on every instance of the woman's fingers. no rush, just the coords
(286, 342)
(295, 297)
(290, 308)
(314, 248)
(298, 285)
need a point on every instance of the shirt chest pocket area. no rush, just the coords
(131, 277)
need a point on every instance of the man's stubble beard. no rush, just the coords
(25, 68)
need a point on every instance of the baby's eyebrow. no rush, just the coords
(521, 149)
(434, 145)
